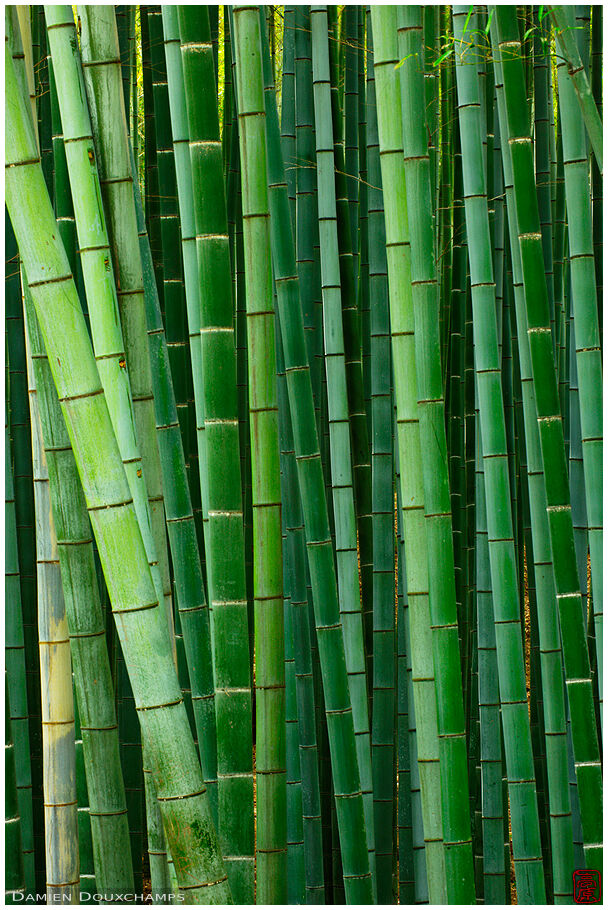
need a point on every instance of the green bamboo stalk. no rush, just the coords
(307, 225)
(418, 859)
(14, 885)
(85, 628)
(587, 340)
(361, 463)
(15, 650)
(293, 583)
(144, 640)
(580, 81)
(288, 107)
(511, 671)
(551, 441)
(193, 613)
(102, 77)
(150, 164)
(220, 460)
(409, 445)
(324, 590)
(491, 759)
(431, 410)
(348, 38)
(383, 518)
(24, 498)
(88, 884)
(284, 265)
(103, 309)
(339, 414)
(271, 848)
(16, 706)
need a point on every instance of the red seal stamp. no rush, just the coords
(587, 886)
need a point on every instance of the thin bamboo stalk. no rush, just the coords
(343, 455)
(271, 847)
(59, 781)
(14, 885)
(220, 459)
(388, 100)
(14, 645)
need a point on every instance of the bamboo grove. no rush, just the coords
(303, 458)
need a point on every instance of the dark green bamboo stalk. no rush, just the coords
(283, 260)
(14, 885)
(16, 707)
(383, 518)
(16, 654)
(24, 500)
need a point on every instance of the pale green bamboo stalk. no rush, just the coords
(58, 749)
(271, 845)
(388, 104)
(103, 81)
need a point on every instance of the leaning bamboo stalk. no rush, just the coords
(580, 80)
(271, 847)
(104, 91)
(85, 627)
(140, 620)
(187, 567)
(105, 322)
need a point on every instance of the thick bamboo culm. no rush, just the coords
(303, 454)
